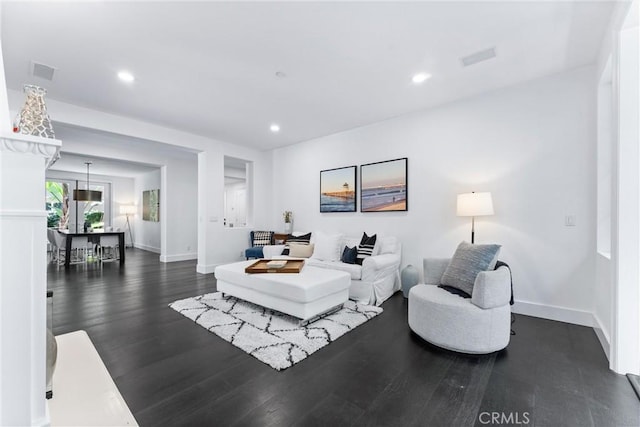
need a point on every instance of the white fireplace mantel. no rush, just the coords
(28, 144)
(23, 277)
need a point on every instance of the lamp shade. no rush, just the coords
(474, 204)
(128, 209)
(87, 195)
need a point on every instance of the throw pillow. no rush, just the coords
(327, 246)
(261, 238)
(366, 247)
(297, 250)
(301, 239)
(349, 255)
(467, 262)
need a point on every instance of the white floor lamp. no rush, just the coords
(128, 210)
(473, 205)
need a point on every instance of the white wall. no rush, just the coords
(146, 234)
(179, 207)
(531, 145)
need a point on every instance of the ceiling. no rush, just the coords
(136, 156)
(70, 162)
(210, 68)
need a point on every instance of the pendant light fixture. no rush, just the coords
(87, 195)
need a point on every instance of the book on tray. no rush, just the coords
(277, 263)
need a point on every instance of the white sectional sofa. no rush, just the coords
(372, 282)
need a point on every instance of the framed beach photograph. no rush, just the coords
(383, 186)
(338, 189)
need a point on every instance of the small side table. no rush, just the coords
(280, 236)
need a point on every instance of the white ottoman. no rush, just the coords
(305, 295)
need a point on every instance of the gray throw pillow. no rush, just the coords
(467, 262)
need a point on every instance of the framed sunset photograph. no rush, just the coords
(383, 186)
(338, 189)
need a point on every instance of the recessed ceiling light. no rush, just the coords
(420, 78)
(274, 127)
(126, 76)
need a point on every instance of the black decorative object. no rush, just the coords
(52, 348)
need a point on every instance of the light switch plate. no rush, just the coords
(570, 221)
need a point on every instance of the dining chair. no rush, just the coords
(78, 253)
(109, 249)
(52, 243)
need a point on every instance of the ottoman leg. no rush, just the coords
(305, 322)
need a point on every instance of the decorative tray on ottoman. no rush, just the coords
(275, 266)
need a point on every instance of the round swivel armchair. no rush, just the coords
(477, 325)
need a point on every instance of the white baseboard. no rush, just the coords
(602, 335)
(147, 248)
(178, 257)
(551, 312)
(206, 268)
(42, 421)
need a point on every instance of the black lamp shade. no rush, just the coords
(87, 195)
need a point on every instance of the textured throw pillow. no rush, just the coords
(327, 246)
(261, 238)
(366, 247)
(467, 262)
(297, 250)
(349, 255)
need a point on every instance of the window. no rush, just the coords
(61, 208)
(57, 204)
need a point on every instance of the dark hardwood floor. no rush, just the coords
(173, 372)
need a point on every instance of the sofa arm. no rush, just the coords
(271, 251)
(379, 262)
(375, 267)
(434, 269)
(492, 288)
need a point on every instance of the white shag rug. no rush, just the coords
(270, 336)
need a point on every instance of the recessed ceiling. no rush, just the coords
(210, 68)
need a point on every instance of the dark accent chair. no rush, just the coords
(256, 251)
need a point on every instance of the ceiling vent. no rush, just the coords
(480, 56)
(42, 71)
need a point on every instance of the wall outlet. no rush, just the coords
(570, 221)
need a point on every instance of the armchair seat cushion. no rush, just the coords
(454, 323)
(254, 252)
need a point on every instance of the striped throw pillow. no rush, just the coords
(365, 248)
(301, 240)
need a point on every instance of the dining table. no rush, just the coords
(92, 238)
